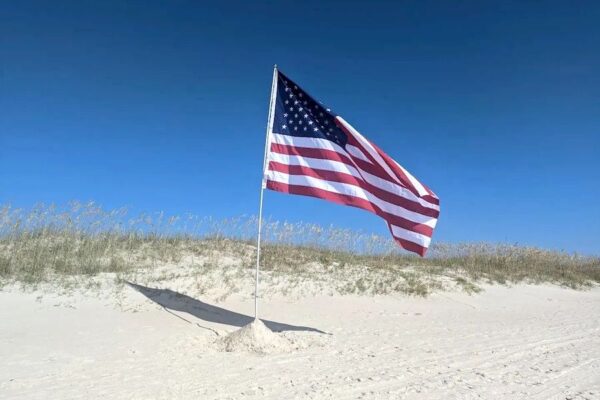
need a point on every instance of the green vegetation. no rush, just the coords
(81, 241)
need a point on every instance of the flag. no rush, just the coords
(312, 151)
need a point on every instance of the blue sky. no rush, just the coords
(163, 106)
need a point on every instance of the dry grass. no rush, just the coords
(70, 245)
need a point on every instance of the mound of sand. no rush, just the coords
(255, 338)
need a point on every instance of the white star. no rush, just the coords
(291, 121)
(291, 95)
(284, 126)
(310, 122)
(296, 101)
(291, 108)
(287, 89)
(328, 110)
(295, 128)
(300, 122)
(320, 114)
(285, 115)
(304, 128)
(287, 102)
(295, 115)
(300, 109)
(315, 129)
(305, 102)
(305, 115)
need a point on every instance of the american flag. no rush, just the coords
(312, 151)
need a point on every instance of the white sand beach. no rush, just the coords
(520, 342)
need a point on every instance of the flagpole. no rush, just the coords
(263, 183)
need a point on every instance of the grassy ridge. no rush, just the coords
(49, 243)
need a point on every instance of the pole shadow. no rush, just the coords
(171, 300)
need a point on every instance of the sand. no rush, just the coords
(521, 342)
(255, 338)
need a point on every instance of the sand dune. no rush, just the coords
(523, 342)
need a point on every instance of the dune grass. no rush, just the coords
(54, 244)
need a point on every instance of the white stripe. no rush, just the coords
(318, 163)
(308, 142)
(351, 190)
(376, 181)
(418, 185)
(356, 152)
(411, 236)
(367, 145)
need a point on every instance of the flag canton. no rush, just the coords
(298, 114)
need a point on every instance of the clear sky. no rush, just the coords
(163, 106)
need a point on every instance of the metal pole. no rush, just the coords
(262, 184)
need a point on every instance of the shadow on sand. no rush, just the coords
(175, 301)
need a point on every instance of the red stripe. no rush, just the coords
(411, 246)
(397, 171)
(311, 152)
(380, 171)
(382, 194)
(348, 200)
(374, 164)
(430, 197)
